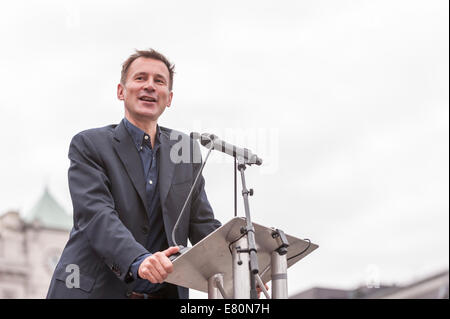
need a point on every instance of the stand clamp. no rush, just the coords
(282, 241)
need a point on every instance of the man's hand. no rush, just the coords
(157, 267)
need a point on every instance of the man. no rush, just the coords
(128, 189)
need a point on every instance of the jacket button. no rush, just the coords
(145, 229)
(115, 268)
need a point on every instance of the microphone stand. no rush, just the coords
(182, 248)
(249, 231)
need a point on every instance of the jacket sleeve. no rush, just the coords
(202, 221)
(94, 210)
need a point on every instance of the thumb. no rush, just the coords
(171, 250)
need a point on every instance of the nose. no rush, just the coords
(149, 85)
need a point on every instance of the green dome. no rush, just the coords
(48, 213)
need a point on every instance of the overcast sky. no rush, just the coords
(347, 102)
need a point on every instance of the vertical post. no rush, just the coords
(241, 271)
(235, 187)
(251, 244)
(279, 276)
(213, 291)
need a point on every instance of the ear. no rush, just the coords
(170, 99)
(120, 90)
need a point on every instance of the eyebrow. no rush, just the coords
(145, 73)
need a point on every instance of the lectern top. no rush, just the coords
(212, 256)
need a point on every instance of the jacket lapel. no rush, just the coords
(166, 165)
(125, 148)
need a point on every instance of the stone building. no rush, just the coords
(30, 247)
(432, 287)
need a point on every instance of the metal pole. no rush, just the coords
(213, 290)
(241, 271)
(251, 243)
(279, 276)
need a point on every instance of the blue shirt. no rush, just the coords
(157, 240)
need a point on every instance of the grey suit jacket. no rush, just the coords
(110, 229)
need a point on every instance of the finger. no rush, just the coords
(158, 270)
(148, 271)
(165, 262)
(147, 275)
(171, 250)
(143, 270)
(154, 276)
(157, 279)
(151, 278)
(142, 273)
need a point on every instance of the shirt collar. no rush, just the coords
(139, 136)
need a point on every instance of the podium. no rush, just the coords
(219, 263)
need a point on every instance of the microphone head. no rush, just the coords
(195, 135)
(208, 136)
(256, 160)
(206, 139)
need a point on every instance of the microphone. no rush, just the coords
(217, 144)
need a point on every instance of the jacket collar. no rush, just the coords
(128, 154)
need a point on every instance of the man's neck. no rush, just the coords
(148, 127)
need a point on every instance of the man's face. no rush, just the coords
(146, 90)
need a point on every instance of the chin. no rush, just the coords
(144, 114)
(148, 116)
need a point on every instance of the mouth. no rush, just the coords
(147, 99)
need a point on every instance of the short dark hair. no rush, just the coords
(150, 54)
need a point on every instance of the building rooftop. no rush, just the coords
(435, 286)
(47, 212)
